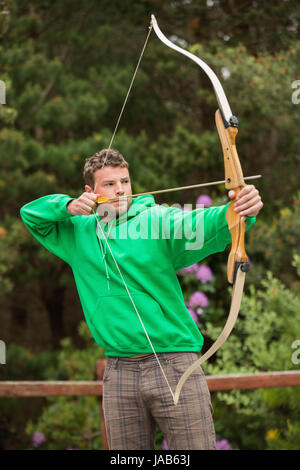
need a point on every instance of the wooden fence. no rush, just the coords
(78, 388)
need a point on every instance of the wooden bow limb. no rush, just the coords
(231, 319)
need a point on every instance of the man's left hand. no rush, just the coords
(248, 201)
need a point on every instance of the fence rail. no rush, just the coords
(215, 383)
(47, 389)
(79, 388)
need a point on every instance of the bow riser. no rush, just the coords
(234, 180)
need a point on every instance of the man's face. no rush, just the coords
(113, 182)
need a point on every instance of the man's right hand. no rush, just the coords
(83, 204)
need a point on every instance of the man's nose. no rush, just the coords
(119, 189)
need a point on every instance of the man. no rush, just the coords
(124, 261)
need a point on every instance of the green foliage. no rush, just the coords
(22, 364)
(71, 422)
(66, 422)
(262, 340)
(74, 364)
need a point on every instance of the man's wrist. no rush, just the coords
(69, 207)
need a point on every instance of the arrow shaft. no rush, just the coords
(101, 200)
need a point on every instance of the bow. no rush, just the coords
(237, 265)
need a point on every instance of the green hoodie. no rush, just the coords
(148, 266)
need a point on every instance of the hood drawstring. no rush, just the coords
(103, 251)
(140, 204)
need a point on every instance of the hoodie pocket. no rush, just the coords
(118, 322)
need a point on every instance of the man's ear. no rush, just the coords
(88, 189)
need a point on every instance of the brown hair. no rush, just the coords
(106, 157)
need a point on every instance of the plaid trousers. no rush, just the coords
(136, 399)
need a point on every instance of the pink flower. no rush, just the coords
(188, 270)
(165, 445)
(204, 200)
(193, 314)
(223, 444)
(198, 299)
(204, 273)
(38, 438)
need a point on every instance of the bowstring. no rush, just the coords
(127, 94)
(101, 229)
(133, 303)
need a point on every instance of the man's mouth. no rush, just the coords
(120, 201)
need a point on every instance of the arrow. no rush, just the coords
(101, 200)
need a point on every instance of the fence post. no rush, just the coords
(100, 367)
